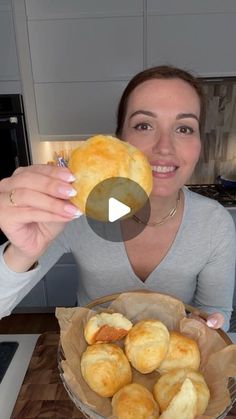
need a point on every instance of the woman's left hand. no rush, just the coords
(214, 320)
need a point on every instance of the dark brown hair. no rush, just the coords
(159, 72)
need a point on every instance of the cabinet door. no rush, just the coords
(81, 109)
(89, 49)
(8, 64)
(35, 299)
(198, 36)
(60, 9)
(79, 72)
(183, 7)
(82, 53)
(61, 286)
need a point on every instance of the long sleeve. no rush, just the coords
(215, 282)
(14, 286)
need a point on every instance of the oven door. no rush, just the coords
(13, 145)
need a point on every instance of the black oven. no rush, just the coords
(15, 149)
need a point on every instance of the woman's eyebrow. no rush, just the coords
(143, 112)
(187, 115)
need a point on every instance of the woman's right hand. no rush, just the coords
(34, 207)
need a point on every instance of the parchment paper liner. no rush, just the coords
(218, 360)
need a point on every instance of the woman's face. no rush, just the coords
(162, 120)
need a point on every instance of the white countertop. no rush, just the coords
(12, 381)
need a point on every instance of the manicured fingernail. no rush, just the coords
(70, 209)
(67, 191)
(211, 322)
(68, 177)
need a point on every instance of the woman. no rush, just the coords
(186, 249)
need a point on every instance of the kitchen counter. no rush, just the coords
(42, 393)
(12, 381)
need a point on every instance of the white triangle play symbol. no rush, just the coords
(116, 209)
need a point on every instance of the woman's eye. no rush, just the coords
(143, 126)
(185, 130)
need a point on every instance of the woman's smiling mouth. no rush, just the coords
(163, 171)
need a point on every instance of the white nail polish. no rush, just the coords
(72, 192)
(67, 191)
(78, 214)
(67, 177)
(74, 212)
(71, 178)
(211, 322)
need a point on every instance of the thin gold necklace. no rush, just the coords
(171, 214)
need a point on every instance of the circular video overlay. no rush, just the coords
(117, 209)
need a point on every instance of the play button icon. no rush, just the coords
(113, 208)
(117, 210)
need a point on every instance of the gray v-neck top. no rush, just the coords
(199, 267)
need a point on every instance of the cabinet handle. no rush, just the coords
(11, 119)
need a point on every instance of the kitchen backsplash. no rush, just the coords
(53, 149)
(218, 155)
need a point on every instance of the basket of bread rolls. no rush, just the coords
(139, 355)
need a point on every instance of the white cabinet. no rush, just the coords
(76, 56)
(198, 36)
(82, 54)
(60, 9)
(91, 49)
(9, 69)
(82, 108)
(78, 68)
(181, 7)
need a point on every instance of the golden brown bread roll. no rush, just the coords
(183, 405)
(106, 327)
(146, 345)
(105, 368)
(170, 383)
(183, 352)
(134, 401)
(102, 157)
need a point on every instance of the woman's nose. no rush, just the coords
(163, 144)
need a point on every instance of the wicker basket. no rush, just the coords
(102, 302)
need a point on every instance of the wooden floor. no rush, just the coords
(29, 323)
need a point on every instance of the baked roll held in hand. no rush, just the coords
(105, 157)
(134, 401)
(106, 327)
(105, 368)
(146, 345)
(184, 403)
(183, 352)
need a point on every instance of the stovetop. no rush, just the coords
(226, 197)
